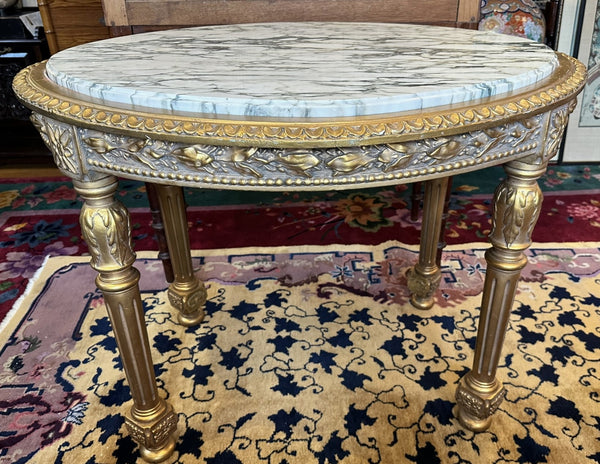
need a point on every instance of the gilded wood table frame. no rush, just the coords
(94, 143)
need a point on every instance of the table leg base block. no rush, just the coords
(190, 320)
(422, 287)
(189, 302)
(154, 431)
(477, 402)
(159, 455)
(472, 423)
(421, 303)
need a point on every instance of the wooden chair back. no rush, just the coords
(134, 16)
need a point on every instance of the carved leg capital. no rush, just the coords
(105, 226)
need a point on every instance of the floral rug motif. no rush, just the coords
(310, 355)
(40, 217)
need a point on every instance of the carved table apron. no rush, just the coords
(299, 107)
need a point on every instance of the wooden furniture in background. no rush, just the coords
(72, 22)
(20, 144)
(66, 23)
(144, 15)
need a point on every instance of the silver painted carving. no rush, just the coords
(78, 152)
(59, 139)
(558, 122)
(222, 164)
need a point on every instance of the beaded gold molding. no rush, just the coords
(38, 93)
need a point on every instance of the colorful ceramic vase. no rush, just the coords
(522, 18)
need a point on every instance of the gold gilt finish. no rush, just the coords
(41, 95)
(186, 293)
(91, 142)
(105, 227)
(424, 278)
(517, 205)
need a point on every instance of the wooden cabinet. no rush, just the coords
(19, 141)
(72, 22)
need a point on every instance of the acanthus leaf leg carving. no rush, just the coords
(186, 292)
(105, 227)
(517, 205)
(425, 276)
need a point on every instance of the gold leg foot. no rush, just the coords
(477, 402)
(154, 431)
(423, 286)
(424, 278)
(187, 294)
(188, 298)
(160, 455)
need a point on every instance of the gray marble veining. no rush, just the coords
(301, 69)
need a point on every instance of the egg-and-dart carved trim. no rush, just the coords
(41, 95)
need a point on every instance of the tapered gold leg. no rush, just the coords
(159, 231)
(186, 292)
(424, 278)
(517, 206)
(105, 226)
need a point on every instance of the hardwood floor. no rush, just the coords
(29, 172)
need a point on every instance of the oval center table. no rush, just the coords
(300, 106)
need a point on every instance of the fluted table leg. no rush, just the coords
(106, 229)
(424, 278)
(517, 204)
(186, 292)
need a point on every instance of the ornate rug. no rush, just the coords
(40, 217)
(310, 355)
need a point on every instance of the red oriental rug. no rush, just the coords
(39, 217)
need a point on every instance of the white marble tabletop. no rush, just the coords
(298, 70)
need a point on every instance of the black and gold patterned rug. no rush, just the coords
(310, 355)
